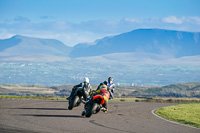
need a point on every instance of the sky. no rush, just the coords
(81, 21)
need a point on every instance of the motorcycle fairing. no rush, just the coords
(99, 96)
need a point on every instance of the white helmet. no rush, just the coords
(86, 79)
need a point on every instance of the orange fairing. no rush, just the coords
(99, 96)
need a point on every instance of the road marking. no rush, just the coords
(153, 112)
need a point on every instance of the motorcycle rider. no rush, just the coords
(85, 84)
(103, 90)
(110, 86)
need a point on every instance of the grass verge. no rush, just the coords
(157, 99)
(32, 97)
(188, 114)
(116, 99)
(132, 99)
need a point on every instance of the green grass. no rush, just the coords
(131, 99)
(33, 97)
(64, 98)
(157, 99)
(124, 99)
(173, 100)
(184, 113)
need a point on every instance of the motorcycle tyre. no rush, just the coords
(73, 102)
(91, 110)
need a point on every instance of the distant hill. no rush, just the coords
(167, 43)
(142, 45)
(21, 48)
(142, 58)
(175, 90)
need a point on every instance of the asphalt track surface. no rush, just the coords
(46, 116)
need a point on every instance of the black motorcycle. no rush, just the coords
(79, 96)
(93, 105)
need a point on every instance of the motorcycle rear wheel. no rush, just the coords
(91, 110)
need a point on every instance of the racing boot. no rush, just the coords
(105, 110)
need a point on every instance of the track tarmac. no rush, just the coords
(49, 116)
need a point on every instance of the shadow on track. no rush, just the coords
(42, 108)
(71, 116)
(58, 101)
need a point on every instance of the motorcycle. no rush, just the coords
(93, 105)
(78, 97)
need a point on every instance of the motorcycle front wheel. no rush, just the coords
(73, 102)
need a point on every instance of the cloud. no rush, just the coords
(132, 20)
(195, 20)
(182, 20)
(46, 17)
(21, 19)
(172, 19)
(88, 31)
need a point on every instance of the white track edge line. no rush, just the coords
(153, 112)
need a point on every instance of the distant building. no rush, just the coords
(132, 84)
(125, 84)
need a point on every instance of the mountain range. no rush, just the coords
(156, 41)
(156, 44)
(27, 48)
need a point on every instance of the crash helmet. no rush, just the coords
(105, 82)
(86, 79)
(110, 80)
(103, 87)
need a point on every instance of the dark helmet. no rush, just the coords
(110, 80)
(105, 82)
